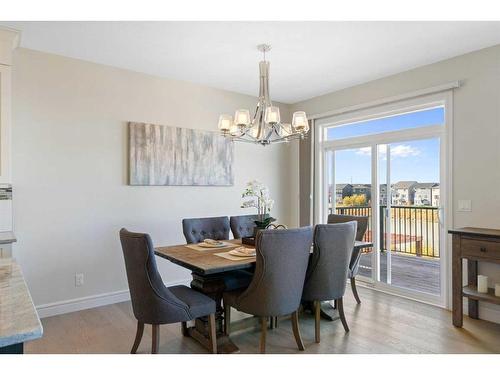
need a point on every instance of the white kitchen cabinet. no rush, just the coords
(5, 124)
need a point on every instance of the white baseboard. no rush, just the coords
(89, 302)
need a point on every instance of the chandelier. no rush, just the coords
(265, 127)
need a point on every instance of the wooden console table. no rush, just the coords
(472, 244)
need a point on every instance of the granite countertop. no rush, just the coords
(19, 321)
(7, 237)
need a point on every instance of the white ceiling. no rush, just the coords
(308, 58)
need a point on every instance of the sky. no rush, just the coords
(412, 160)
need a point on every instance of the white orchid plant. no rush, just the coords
(257, 195)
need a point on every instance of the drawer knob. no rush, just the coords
(483, 249)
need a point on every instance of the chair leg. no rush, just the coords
(317, 316)
(138, 337)
(156, 339)
(354, 290)
(263, 331)
(340, 306)
(271, 322)
(212, 333)
(227, 319)
(296, 331)
(184, 329)
(275, 322)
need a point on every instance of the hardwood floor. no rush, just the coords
(381, 324)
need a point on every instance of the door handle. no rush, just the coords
(482, 249)
(440, 215)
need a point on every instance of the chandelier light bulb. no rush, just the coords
(242, 118)
(299, 122)
(272, 115)
(225, 122)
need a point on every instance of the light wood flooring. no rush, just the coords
(381, 324)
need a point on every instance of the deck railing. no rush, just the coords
(415, 229)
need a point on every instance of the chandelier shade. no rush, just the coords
(242, 117)
(265, 127)
(225, 122)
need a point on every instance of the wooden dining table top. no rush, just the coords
(206, 263)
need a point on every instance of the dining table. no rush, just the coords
(208, 268)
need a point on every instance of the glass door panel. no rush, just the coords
(410, 230)
(350, 193)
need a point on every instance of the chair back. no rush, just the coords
(328, 267)
(281, 264)
(360, 233)
(243, 225)
(198, 229)
(152, 302)
(361, 220)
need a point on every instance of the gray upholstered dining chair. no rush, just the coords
(243, 225)
(152, 302)
(326, 277)
(276, 287)
(198, 229)
(356, 254)
(216, 228)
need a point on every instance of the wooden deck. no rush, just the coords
(408, 271)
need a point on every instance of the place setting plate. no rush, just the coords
(243, 252)
(208, 245)
(213, 244)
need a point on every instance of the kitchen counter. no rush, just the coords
(7, 237)
(19, 321)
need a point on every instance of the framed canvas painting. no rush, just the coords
(165, 155)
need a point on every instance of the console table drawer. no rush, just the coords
(480, 248)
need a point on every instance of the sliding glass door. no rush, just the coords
(391, 169)
(349, 191)
(410, 232)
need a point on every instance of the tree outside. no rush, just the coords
(354, 200)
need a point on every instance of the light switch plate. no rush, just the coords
(465, 205)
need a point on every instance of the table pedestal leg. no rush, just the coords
(212, 286)
(328, 310)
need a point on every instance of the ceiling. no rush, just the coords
(308, 58)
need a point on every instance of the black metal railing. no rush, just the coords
(414, 229)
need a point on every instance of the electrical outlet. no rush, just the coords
(78, 279)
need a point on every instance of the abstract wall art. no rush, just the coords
(165, 155)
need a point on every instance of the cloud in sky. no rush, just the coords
(399, 151)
